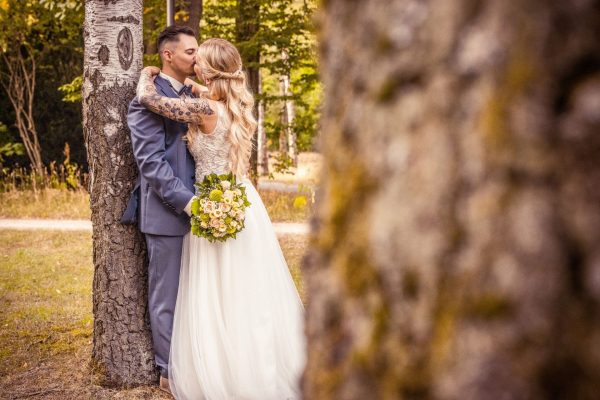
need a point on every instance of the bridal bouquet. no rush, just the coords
(218, 211)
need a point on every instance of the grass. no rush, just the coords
(65, 204)
(46, 320)
(47, 203)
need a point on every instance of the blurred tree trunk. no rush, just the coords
(193, 11)
(261, 136)
(455, 254)
(289, 114)
(247, 25)
(122, 351)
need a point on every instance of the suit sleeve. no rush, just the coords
(148, 142)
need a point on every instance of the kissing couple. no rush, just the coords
(227, 321)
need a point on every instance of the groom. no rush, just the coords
(161, 200)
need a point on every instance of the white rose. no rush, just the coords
(225, 185)
(228, 194)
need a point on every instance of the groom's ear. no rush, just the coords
(166, 55)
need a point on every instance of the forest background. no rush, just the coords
(41, 79)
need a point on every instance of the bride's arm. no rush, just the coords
(193, 111)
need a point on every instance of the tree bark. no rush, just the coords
(455, 247)
(247, 25)
(193, 9)
(289, 114)
(122, 349)
(261, 136)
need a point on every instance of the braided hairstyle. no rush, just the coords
(221, 64)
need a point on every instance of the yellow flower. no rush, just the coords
(31, 19)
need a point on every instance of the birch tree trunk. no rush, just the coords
(456, 244)
(289, 114)
(122, 350)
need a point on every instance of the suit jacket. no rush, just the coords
(166, 178)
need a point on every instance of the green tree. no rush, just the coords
(264, 31)
(39, 44)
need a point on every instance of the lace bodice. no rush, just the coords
(211, 151)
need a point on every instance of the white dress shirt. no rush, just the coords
(177, 87)
(174, 82)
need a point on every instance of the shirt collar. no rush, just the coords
(174, 82)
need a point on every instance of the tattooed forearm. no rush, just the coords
(182, 110)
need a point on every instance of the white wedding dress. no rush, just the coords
(238, 330)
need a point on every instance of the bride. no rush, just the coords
(238, 328)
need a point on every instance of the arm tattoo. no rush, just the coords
(182, 110)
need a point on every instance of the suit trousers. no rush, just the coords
(164, 262)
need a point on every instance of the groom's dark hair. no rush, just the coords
(171, 34)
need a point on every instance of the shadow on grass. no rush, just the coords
(46, 321)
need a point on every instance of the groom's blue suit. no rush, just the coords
(165, 186)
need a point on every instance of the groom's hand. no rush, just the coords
(188, 207)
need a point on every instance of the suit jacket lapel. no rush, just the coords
(165, 87)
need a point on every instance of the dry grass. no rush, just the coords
(69, 204)
(46, 319)
(65, 204)
(48, 203)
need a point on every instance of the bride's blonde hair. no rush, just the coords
(221, 63)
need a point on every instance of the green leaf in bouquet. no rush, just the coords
(215, 195)
(195, 206)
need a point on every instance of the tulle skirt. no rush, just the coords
(238, 328)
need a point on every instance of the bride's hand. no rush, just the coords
(197, 88)
(145, 85)
(152, 70)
